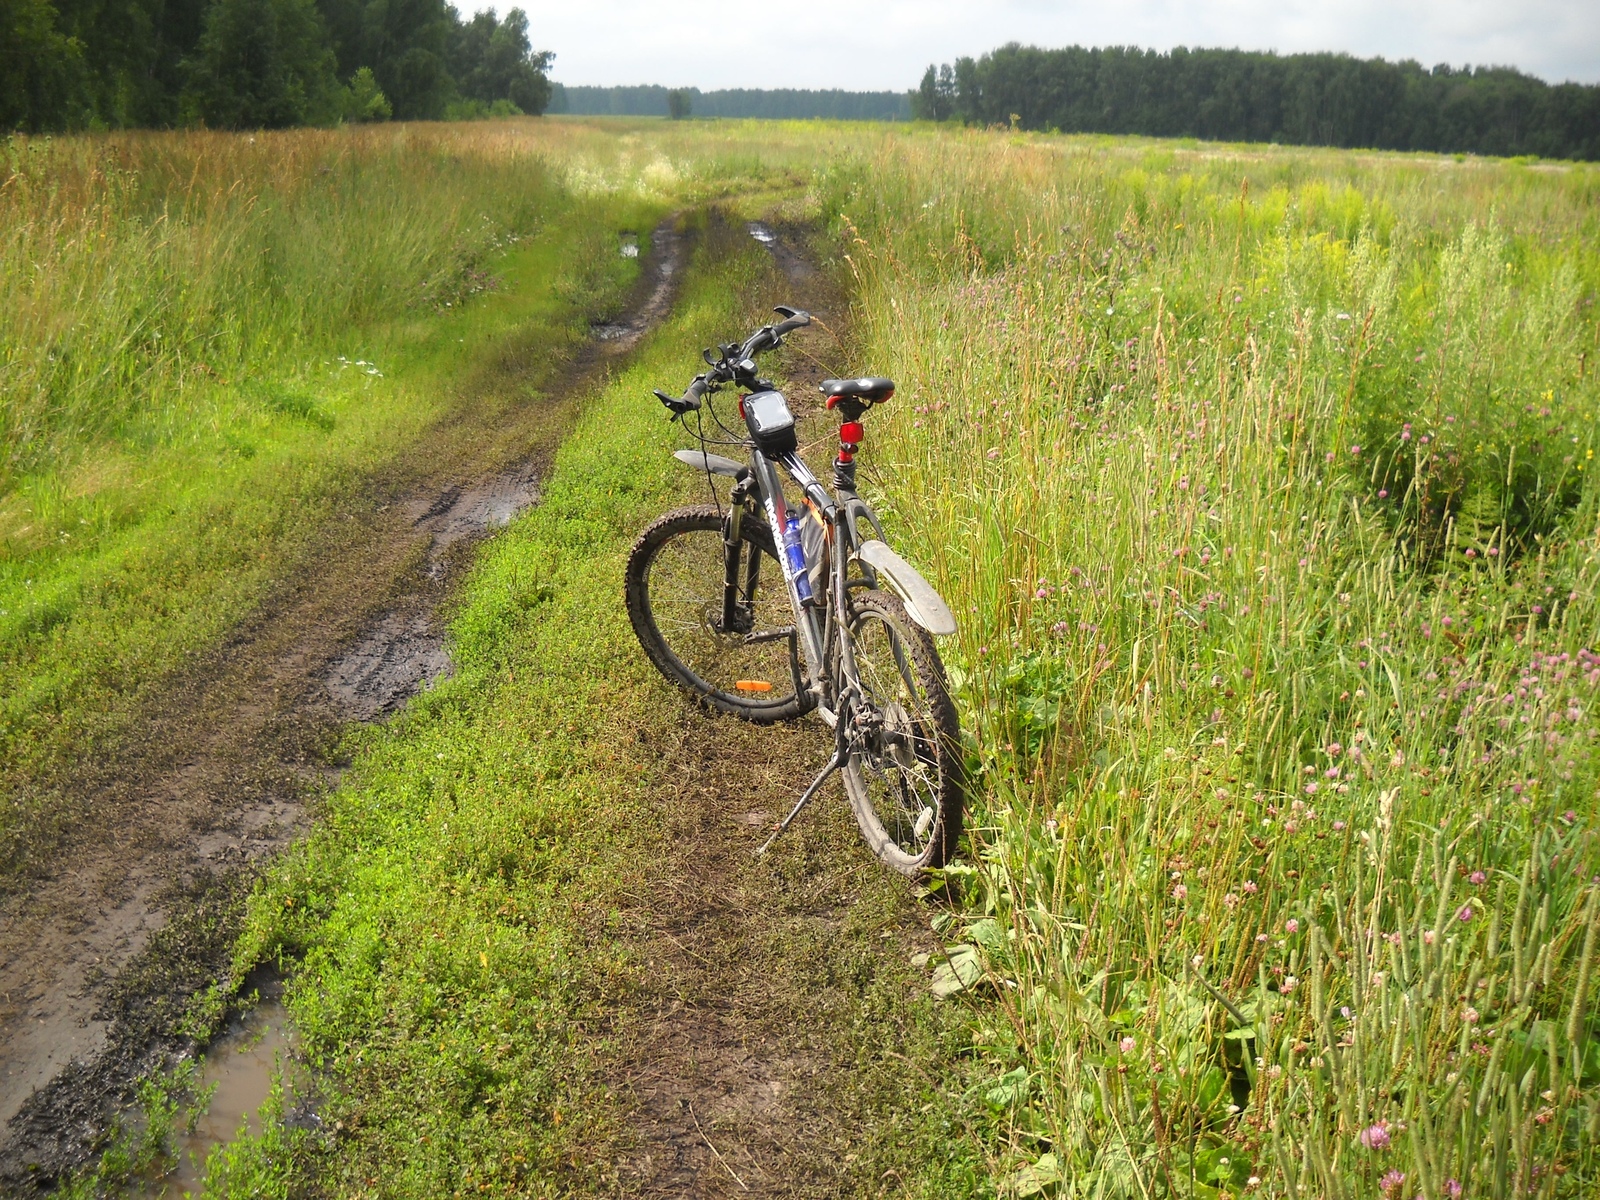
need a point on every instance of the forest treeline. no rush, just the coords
(1254, 96)
(794, 104)
(238, 64)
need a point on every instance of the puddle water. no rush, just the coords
(241, 1064)
(790, 263)
(630, 245)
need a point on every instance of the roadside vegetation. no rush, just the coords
(1262, 480)
(1266, 484)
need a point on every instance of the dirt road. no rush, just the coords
(136, 908)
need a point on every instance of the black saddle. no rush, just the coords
(872, 391)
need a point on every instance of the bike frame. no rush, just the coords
(822, 624)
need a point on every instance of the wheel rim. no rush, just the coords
(896, 756)
(685, 597)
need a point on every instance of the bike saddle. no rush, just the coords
(872, 391)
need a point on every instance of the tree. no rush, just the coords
(495, 61)
(264, 64)
(934, 100)
(406, 43)
(679, 103)
(41, 70)
(363, 100)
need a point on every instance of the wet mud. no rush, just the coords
(135, 908)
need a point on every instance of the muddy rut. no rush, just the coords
(136, 908)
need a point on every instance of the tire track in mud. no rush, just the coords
(139, 905)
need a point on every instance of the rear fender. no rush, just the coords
(923, 604)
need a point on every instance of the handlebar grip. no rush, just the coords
(689, 401)
(798, 320)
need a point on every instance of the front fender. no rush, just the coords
(923, 604)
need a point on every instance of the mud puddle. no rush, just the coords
(100, 954)
(624, 333)
(791, 262)
(235, 1083)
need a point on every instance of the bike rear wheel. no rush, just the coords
(675, 593)
(903, 773)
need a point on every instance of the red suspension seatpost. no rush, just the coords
(844, 467)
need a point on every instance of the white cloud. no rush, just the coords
(885, 46)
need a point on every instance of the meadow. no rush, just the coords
(1262, 480)
(1265, 480)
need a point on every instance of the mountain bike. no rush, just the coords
(782, 605)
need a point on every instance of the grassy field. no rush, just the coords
(1265, 480)
(1262, 479)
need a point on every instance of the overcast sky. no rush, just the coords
(872, 46)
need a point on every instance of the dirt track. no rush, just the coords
(135, 910)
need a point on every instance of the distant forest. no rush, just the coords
(1242, 95)
(776, 103)
(248, 64)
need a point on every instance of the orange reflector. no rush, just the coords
(753, 685)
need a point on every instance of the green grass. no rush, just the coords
(164, 497)
(1262, 480)
(462, 974)
(1265, 483)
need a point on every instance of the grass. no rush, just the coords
(212, 344)
(466, 981)
(1265, 481)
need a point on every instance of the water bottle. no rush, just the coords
(794, 550)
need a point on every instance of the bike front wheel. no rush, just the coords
(675, 594)
(903, 772)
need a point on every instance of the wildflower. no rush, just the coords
(1392, 1182)
(1452, 1189)
(1180, 892)
(1344, 1011)
(1471, 553)
(1383, 493)
(1127, 1045)
(1041, 594)
(1250, 887)
(1311, 789)
(1291, 926)
(1569, 817)
(994, 453)
(1428, 936)
(1478, 878)
(1253, 1182)
(1231, 900)
(1493, 551)
(1375, 1137)
(1464, 913)
(1261, 939)
(1469, 1015)
(1338, 826)
(1355, 449)
(1289, 984)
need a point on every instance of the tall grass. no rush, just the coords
(1266, 484)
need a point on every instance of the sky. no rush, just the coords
(864, 45)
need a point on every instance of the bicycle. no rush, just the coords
(770, 610)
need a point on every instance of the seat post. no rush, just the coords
(850, 434)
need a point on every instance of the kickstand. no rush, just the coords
(837, 761)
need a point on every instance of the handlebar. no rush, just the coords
(737, 362)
